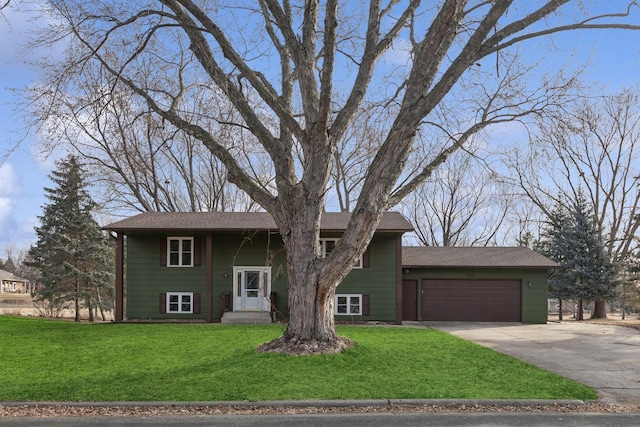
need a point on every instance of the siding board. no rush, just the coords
(146, 278)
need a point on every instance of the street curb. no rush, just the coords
(308, 403)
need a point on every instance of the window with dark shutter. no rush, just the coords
(350, 304)
(327, 245)
(179, 252)
(180, 302)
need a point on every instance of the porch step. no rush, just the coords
(246, 317)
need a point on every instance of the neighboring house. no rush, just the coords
(475, 284)
(230, 266)
(12, 284)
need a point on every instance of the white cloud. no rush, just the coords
(6, 209)
(17, 218)
(10, 182)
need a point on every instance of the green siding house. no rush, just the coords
(230, 267)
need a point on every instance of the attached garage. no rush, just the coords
(464, 284)
(471, 300)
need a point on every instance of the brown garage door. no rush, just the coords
(471, 300)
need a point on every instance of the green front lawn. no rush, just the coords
(62, 361)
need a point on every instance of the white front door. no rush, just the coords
(252, 286)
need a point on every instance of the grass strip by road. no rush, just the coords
(48, 360)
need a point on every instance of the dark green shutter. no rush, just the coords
(366, 258)
(163, 251)
(163, 302)
(196, 303)
(365, 304)
(197, 243)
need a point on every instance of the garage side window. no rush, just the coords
(180, 251)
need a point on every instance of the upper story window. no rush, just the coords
(327, 245)
(180, 251)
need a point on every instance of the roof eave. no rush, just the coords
(493, 267)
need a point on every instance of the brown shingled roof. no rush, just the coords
(219, 221)
(474, 257)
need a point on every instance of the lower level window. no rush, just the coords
(179, 302)
(349, 304)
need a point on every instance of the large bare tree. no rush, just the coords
(135, 160)
(281, 65)
(461, 204)
(591, 146)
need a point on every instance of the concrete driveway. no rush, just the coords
(606, 358)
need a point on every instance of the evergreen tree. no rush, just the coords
(554, 245)
(629, 295)
(596, 275)
(72, 253)
(572, 240)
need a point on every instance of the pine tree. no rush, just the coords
(597, 276)
(554, 245)
(72, 253)
(573, 241)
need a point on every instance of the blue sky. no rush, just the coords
(615, 61)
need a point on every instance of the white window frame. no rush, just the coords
(322, 247)
(348, 297)
(180, 295)
(180, 252)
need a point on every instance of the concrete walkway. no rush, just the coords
(606, 358)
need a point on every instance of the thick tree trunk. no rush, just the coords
(311, 327)
(599, 310)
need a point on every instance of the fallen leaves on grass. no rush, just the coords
(61, 410)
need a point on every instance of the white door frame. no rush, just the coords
(243, 299)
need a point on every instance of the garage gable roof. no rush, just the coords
(239, 221)
(474, 257)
